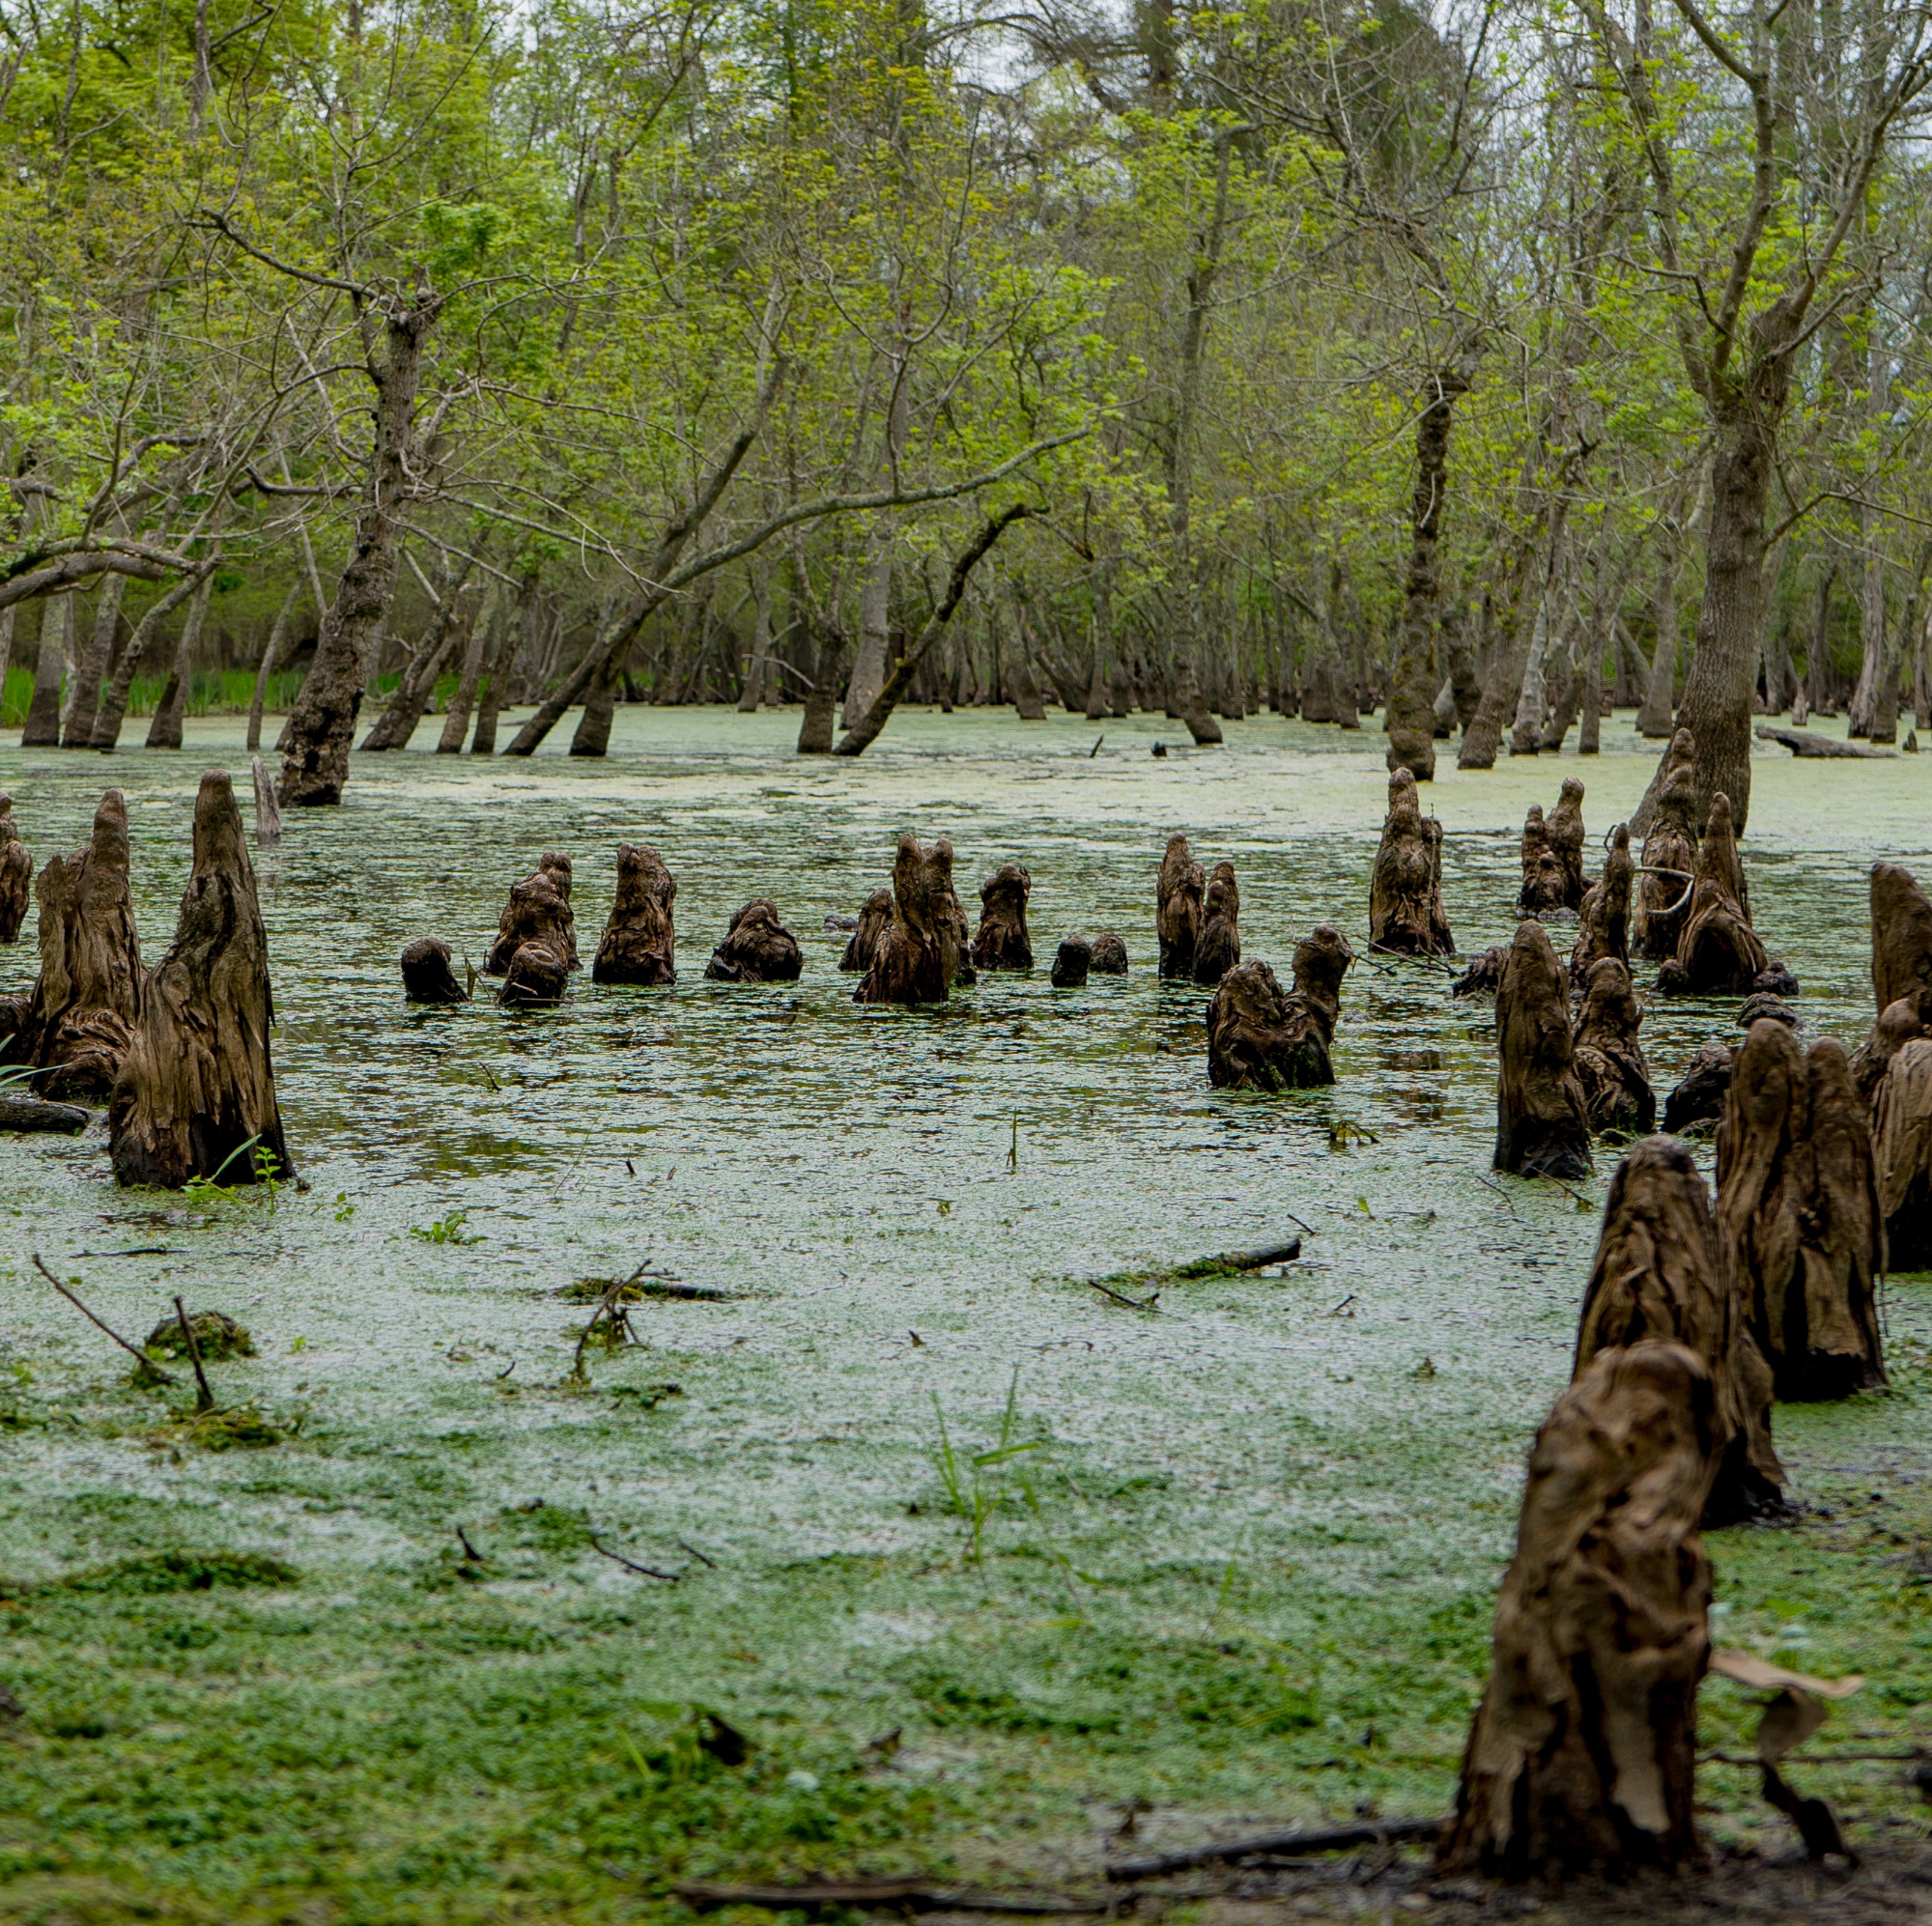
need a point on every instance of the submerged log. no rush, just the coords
(1179, 889)
(1583, 1755)
(1609, 1058)
(35, 1112)
(1662, 1271)
(1564, 832)
(82, 1014)
(1670, 854)
(1110, 954)
(1219, 949)
(1902, 1152)
(1543, 1127)
(1405, 913)
(1798, 1200)
(638, 944)
(1543, 881)
(1801, 742)
(1260, 1038)
(1603, 918)
(537, 975)
(1072, 962)
(538, 911)
(919, 953)
(428, 977)
(197, 1083)
(1718, 952)
(757, 949)
(1002, 941)
(873, 922)
(16, 875)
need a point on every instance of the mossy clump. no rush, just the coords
(181, 1572)
(217, 1335)
(243, 1428)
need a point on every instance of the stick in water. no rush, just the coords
(204, 1398)
(139, 1356)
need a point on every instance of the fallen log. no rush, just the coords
(1801, 742)
(35, 1112)
(1278, 1846)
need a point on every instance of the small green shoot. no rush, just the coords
(447, 1230)
(208, 1191)
(970, 1492)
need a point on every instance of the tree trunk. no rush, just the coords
(397, 723)
(83, 698)
(456, 723)
(323, 726)
(759, 669)
(114, 704)
(1660, 693)
(272, 652)
(821, 701)
(164, 730)
(1527, 732)
(592, 736)
(1413, 683)
(43, 713)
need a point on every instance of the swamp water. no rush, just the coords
(973, 1557)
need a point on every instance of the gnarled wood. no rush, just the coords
(536, 976)
(1178, 914)
(1798, 1200)
(1543, 887)
(1110, 955)
(1902, 1153)
(538, 911)
(1002, 941)
(428, 977)
(1220, 947)
(1609, 1058)
(1662, 1271)
(1718, 952)
(16, 875)
(1484, 976)
(1669, 846)
(1072, 962)
(639, 945)
(1260, 1038)
(1603, 919)
(1405, 913)
(919, 953)
(1700, 1098)
(1543, 1129)
(757, 949)
(1901, 933)
(197, 1083)
(1582, 1756)
(1802, 744)
(1564, 832)
(874, 919)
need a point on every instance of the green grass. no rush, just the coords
(211, 691)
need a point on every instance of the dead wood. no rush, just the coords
(873, 920)
(1664, 1271)
(1603, 916)
(1582, 1756)
(1260, 1038)
(196, 1092)
(1002, 941)
(538, 911)
(1405, 913)
(1485, 975)
(1544, 886)
(16, 875)
(35, 1112)
(1902, 1152)
(1706, 1082)
(1801, 742)
(1798, 1199)
(1179, 889)
(1110, 954)
(537, 975)
(1609, 1058)
(1717, 951)
(919, 953)
(427, 975)
(1670, 845)
(757, 949)
(1220, 947)
(267, 810)
(1072, 962)
(1564, 834)
(1293, 1844)
(639, 943)
(1543, 1127)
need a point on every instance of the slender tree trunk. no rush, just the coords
(1103, 641)
(114, 704)
(83, 698)
(1885, 711)
(397, 723)
(456, 723)
(43, 713)
(1412, 681)
(272, 653)
(165, 728)
(821, 699)
(503, 663)
(1526, 735)
(759, 671)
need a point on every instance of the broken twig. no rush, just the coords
(140, 1357)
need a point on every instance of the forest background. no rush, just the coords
(1492, 364)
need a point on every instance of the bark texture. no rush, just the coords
(41, 728)
(1411, 720)
(1902, 1152)
(1670, 845)
(1565, 833)
(428, 977)
(1072, 962)
(538, 911)
(16, 875)
(1798, 1201)
(1901, 928)
(639, 945)
(1179, 889)
(197, 1083)
(1110, 954)
(874, 919)
(1543, 1126)
(1717, 951)
(919, 953)
(1219, 949)
(1609, 1058)
(757, 949)
(1543, 883)
(1582, 1756)
(537, 975)
(267, 811)
(1603, 918)
(1260, 1038)
(1405, 913)
(1002, 941)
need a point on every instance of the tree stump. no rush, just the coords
(1662, 1271)
(1002, 941)
(1564, 834)
(1543, 1129)
(1178, 916)
(917, 954)
(638, 944)
(16, 875)
(1484, 976)
(1603, 918)
(267, 810)
(1672, 845)
(537, 975)
(1901, 933)
(1260, 1038)
(1110, 955)
(1706, 1082)
(1798, 1199)
(757, 949)
(1072, 962)
(873, 921)
(538, 911)
(428, 977)
(197, 1083)
(1405, 913)
(1582, 1756)
(87, 999)
(1220, 947)
(1544, 885)
(1902, 1152)
(1609, 1058)
(1718, 950)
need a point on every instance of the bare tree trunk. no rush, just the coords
(456, 723)
(165, 729)
(114, 704)
(42, 726)
(821, 701)
(503, 665)
(1411, 718)
(397, 723)
(1103, 641)
(83, 696)
(755, 676)
(1818, 663)
(1527, 732)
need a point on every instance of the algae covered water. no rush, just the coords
(973, 1557)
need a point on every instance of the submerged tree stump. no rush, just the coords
(81, 1017)
(757, 949)
(1582, 1756)
(1609, 1060)
(1260, 1038)
(1662, 1271)
(16, 875)
(1543, 1127)
(1717, 951)
(1670, 846)
(538, 911)
(1798, 1200)
(1219, 949)
(1543, 881)
(638, 944)
(873, 921)
(1002, 941)
(1485, 975)
(1901, 973)
(1564, 834)
(1072, 962)
(1110, 955)
(919, 951)
(1603, 918)
(197, 1083)
(537, 975)
(1179, 889)
(428, 973)
(1405, 913)
(1902, 1152)
(1700, 1096)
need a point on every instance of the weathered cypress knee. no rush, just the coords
(873, 921)
(1543, 1129)
(757, 949)
(1260, 1038)
(1901, 973)
(538, 911)
(1406, 913)
(428, 977)
(639, 945)
(917, 954)
(1717, 951)
(1002, 941)
(1603, 920)
(1669, 855)
(1564, 834)
(537, 975)
(1220, 947)
(16, 875)
(1179, 889)
(1609, 1058)
(1662, 1271)
(1542, 884)
(1072, 962)
(1110, 955)
(1902, 1152)
(1797, 1197)
(197, 1083)
(1582, 1756)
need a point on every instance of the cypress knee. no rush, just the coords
(427, 975)
(1110, 955)
(1717, 951)
(1669, 846)
(1564, 832)
(197, 1083)
(917, 955)
(1542, 883)
(638, 944)
(1072, 962)
(874, 918)
(1603, 916)
(757, 949)
(536, 976)
(1179, 889)
(1220, 947)
(1609, 1058)
(1543, 1129)
(16, 875)
(1902, 1153)
(1002, 941)
(1405, 913)
(1260, 1038)
(538, 911)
